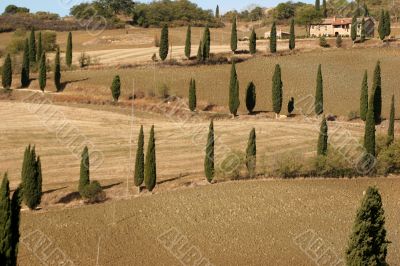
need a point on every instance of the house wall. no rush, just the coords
(343, 30)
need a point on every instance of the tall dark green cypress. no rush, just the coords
(382, 25)
(319, 93)
(150, 169)
(57, 71)
(234, 101)
(251, 153)
(322, 149)
(292, 38)
(116, 88)
(188, 42)
(84, 176)
(192, 95)
(234, 38)
(5, 221)
(31, 178)
(6, 77)
(68, 52)
(15, 221)
(164, 43)
(217, 11)
(377, 90)
(206, 42)
(364, 97)
(290, 106)
(250, 97)
(368, 243)
(277, 93)
(387, 24)
(39, 47)
(253, 42)
(42, 72)
(139, 163)
(390, 137)
(200, 52)
(354, 29)
(272, 39)
(32, 47)
(362, 36)
(317, 5)
(369, 134)
(25, 79)
(324, 9)
(209, 163)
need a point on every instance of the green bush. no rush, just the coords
(352, 115)
(289, 166)
(323, 42)
(163, 91)
(233, 166)
(16, 45)
(332, 165)
(49, 39)
(389, 159)
(93, 193)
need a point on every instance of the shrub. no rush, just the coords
(288, 166)
(84, 60)
(93, 193)
(163, 91)
(323, 42)
(352, 115)
(389, 159)
(233, 166)
(339, 41)
(16, 45)
(49, 40)
(332, 165)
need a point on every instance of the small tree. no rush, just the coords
(339, 41)
(164, 43)
(192, 95)
(362, 36)
(234, 101)
(6, 77)
(116, 88)
(32, 47)
(139, 163)
(354, 29)
(234, 38)
(377, 90)
(323, 42)
(57, 71)
(319, 94)
(322, 149)
(39, 47)
(68, 53)
(25, 79)
(250, 97)
(277, 93)
(200, 52)
(382, 25)
(272, 40)
(31, 178)
(209, 159)
(188, 43)
(84, 177)
(42, 72)
(387, 25)
(390, 138)
(150, 169)
(364, 97)
(291, 106)
(369, 134)
(292, 38)
(5, 221)
(251, 152)
(253, 42)
(206, 43)
(368, 244)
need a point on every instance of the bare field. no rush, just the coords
(235, 223)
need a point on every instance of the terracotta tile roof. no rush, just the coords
(338, 21)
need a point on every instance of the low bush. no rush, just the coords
(233, 166)
(333, 165)
(93, 193)
(84, 60)
(289, 166)
(163, 91)
(389, 159)
(352, 115)
(323, 42)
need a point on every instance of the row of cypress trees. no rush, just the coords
(273, 37)
(384, 24)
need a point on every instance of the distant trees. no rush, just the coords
(250, 97)
(57, 71)
(390, 137)
(272, 40)
(31, 175)
(319, 93)
(206, 44)
(68, 53)
(292, 38)
(32, 47)
(150, 169)
(209, 158)
(251, 152)
(25, 79)
(116, 88)
(6, 77)
(377, 92)
(13, 9)
(364, 97)
(192, 95)
(322, 149)
(234, 38)
(164, 43)
(368, 243)
(253, 42)
(306, 15)
(139, 162)
(42, 72)
(234, 101)
(188, 42)
(277, 93)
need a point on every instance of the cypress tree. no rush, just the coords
(277, 85)
(364, 97)
(6, 78)
(192, 95)
(251, 152)
(250, 97)
(139, 163)
(319, 94)
(200, 52)
(188, 43)
(354, 29)
(387, 24)
(317, 5)
(368, 244)
(15, 221)
(369, 134)
(339, 41)
(31, 178)
(84, 176)
(391, 123)
(150, 169)
(362, 30)
(382, 25)
(234, 38)
(42, 72)
(32, 47)
(39, 47)
(291, 106)
(377, 89)
(5, 221)
(209, 158)
(57, 71)
(234, 101)
(217, 12)
(164, 42)
(272, 40)
(206, 44)
(292, 38)
(324, 9)
(68, 53)
(253, 42)
(322, 148)
(25, 66)
(116, 88)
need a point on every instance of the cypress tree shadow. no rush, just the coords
(64, 84)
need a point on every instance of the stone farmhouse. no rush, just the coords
(341, 26)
